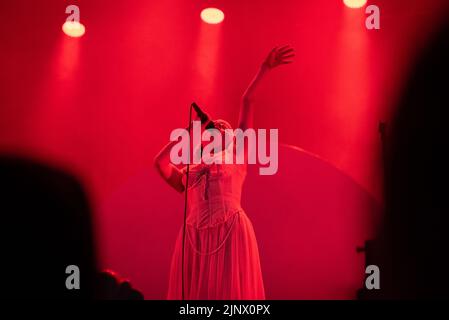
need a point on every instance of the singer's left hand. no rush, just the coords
(278, 56)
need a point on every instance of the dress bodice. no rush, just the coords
(214, 193)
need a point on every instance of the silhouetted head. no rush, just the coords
(46, 227)
(111, 286)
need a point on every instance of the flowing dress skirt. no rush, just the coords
(221, 262)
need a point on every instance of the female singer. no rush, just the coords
(221, 257)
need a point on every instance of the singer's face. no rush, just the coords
(215, 138)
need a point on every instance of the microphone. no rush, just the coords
(204, 117)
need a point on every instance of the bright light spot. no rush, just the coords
(73, 29)
(212, 15)
(355, 3)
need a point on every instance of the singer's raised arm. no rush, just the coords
(276, 57)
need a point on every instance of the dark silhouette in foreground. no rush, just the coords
(413, 246)
(46, 227)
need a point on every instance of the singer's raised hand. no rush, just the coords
(278, 56)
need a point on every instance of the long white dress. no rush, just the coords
(221, 252)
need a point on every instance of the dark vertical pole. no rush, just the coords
(185, 208)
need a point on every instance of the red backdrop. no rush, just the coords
(102, 105)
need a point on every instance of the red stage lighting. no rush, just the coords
(73, 29)
(355, 4)
(212, 15)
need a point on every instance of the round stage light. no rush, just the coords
(355, 4)
(212, 15)
(73, 29)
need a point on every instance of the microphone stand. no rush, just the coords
(185, 207)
